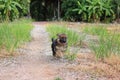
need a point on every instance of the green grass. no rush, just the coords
(58, 78)
(108, 42)
(71, 56)
(72, 36)
(95, 30)
(13, 34)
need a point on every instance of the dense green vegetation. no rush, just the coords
(76, 10)
(43, 9)
(13, 34)
(90, 10)
(71, 10)
(13, 9)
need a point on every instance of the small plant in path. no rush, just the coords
(58, 78)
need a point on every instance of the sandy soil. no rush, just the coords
(37, 62)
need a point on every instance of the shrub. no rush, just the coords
(81, 10)
(13, 9)
(67, 10)
(88, 10)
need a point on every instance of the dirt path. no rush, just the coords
(34, 64)
(37, 62)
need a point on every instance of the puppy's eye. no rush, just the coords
(63, 38)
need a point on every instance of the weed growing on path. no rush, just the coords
(58, 78)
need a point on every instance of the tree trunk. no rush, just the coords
(58, 9)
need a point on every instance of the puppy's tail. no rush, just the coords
(52, 39)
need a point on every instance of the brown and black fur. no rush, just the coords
(59, 45)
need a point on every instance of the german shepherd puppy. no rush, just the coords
(59, 45)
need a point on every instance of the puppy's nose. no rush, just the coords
(64, 40)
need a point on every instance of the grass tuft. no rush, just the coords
(72, 36)
(58, 78)
(108, 42)
(14, 33)
(95, 30)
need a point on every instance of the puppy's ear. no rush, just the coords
(58, 35)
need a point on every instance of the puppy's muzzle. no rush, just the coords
(63, 41)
